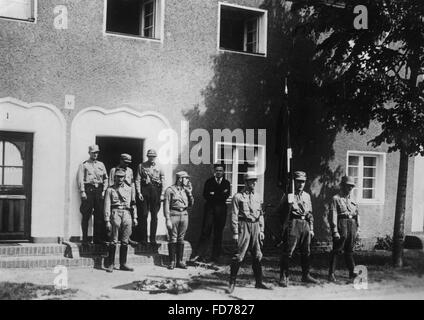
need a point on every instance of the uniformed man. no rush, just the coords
(120, 213)
(247, 224)
(124, 162)
(178, 198)
(216, 192)
(344, 223)
(298, 226)
(92, 182)
(149, 184)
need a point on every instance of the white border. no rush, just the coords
(265, 12)
(119, 35)
(25, 21)
(381, 194)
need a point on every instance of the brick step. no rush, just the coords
(95, 261)
(32, 249)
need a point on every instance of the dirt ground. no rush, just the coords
(384, 282)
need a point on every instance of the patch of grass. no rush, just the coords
(29, 291)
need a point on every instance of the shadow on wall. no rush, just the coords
(247, 92)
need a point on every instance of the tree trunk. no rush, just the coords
(399, 228)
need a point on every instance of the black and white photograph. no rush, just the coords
(225, 151)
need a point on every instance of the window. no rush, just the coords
(11, 165)
(18, 9)
(368, 170)
(140, 18)
(239, 159)
(242, 29)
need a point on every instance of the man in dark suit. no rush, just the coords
(216, 191)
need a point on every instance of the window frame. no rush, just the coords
(33, 20)
(380, 177)
(261, 26)
(3, 166)
(234, 166)
(159, 23)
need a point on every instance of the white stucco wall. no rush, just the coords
(122, 122)
(49, 152)
(418, 195)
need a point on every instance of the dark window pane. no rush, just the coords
(370, 161)
(123, 16)
(368, 183)
(353, 171)
(369, 172)
(368, 193)
(231, 30)
(353, 160)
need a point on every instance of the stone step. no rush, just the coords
(32, 249)
(95, 261)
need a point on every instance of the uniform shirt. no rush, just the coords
(301, 206)
(216, 193)
(148, 173)
(122, 195)
(176, 198)
(92, 172)
(246, 205)
(129, 176)
(341, 205)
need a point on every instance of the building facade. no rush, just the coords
(134, 75)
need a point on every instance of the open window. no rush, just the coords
(368, 170)
(139, 18)
(238, 159)
(18, 9)
(242, 29)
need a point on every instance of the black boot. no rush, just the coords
(257, 271)
(306, 277)
(171, 253)
(284, 271)
(123, 251)
(180, 255)
(332, 268)
(111, 258)
(350, 264)
(235, 266)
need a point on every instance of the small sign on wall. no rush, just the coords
(69, 102)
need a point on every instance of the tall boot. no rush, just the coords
(235, 266)
(257, 271)
(284, 271)
(350, 264)
(180, 255)
(306, 277)
(332, 267)
(171, 252)
(123, 251)
(111, 258)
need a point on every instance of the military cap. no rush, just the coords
(250, 176)
(126, 157)
(218, 165)
(152, 153)
(182, 174)
(299, 175)
(119, 173)
(348, 180)
(93, 148)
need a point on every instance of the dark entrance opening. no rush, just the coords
(112, 147)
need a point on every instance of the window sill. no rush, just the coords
(30, 20)
(128, 36)
(371, 203)
(263, 55)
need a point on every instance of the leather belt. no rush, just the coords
(179, 209)
(121, 208)
(94, 185)
(241, 218)
(346, 216)
(293, 216)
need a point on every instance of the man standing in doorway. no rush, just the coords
(149, 184)
(92, 182)
(216, 192)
